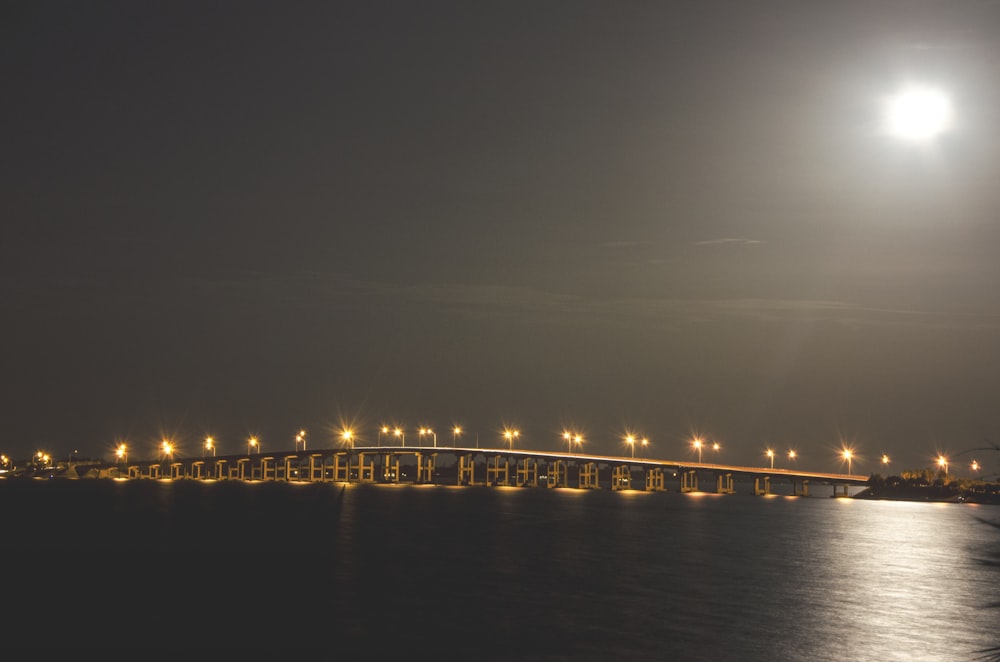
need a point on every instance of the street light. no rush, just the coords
(209, 446)
(510, 435)
(122, 453)
(425, 431)
(166, 448)
(975, 465)
(402, 437)
(848, 455)
(697, 445)
(252, 443)
(455, 432)
(770, 454)
(791, 455)
(943, 463)
(347, 437)
(300, 437)
(716, 447)
(885, 460)
(630, 440)
(382, 431)
(568, 436)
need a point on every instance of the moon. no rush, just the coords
(918, 114)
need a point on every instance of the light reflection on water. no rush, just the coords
(541, 574)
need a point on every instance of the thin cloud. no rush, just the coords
(742, 241)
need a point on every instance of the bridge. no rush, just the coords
(480, 466)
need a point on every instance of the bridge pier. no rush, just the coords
(316, 468)
(390, 468)
(689, 481)
(496, 473)
(425, 468)
(589, 476)
(268, 468)
(558, 474)
(341, 468)
(800, 488)
(527, 472)
(198, 470)
(621, 477)
(655, 481)
(724, 484)
(466, 470)
(762, 485)
(840, 492)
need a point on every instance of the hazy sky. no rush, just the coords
(675, 218)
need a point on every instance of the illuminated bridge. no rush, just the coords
(481, 466)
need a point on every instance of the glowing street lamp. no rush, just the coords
(770, 454)
(402, 437)
(645, 443)
(630, 440)
(300, 438)
(252, 443)
(209, 446)
(347, 437)
(716, 447)
(167, 449)
(885, 460)
(455, 432)
(943, 463)
(122, 453)
(568, 436)
(510, 435)
(697, 446)
(848, 455)
(382, 430)
(791, 455)
(425, 431)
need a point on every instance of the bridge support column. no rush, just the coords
(390, 468)
(496, 472)
(689, 481)
(341, 468)
(425, 468)
(268, 468)
(654, 480)
(621, 477)
(466, 470)
(527, 472)
(724, 484)
(197, 470)
(762, 485)
(838, 492)
(559, 474)
(316, 472)
(589, 476)
(800, 488)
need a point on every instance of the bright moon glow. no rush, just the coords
(918, 114)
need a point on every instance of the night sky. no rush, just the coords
(671, 218)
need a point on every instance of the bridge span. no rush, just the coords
(482, 466)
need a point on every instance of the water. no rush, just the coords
(381, 571)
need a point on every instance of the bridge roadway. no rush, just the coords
(479, 466)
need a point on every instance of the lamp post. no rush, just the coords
(167, 449)
(122, 453)
(300, 438)
(975, 465)
(848, 455)
(716, 447)
(455, 432)
(378, 438)
(630, 440)
(791, 455)
(425, 431)
(402, 437)
(209, 447)
(347, 437)
(770, 454)
(252, 443)
(510, 435)
(569, 441)
(943, 463)
(697, 445)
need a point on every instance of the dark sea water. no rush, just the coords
(467, 573)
